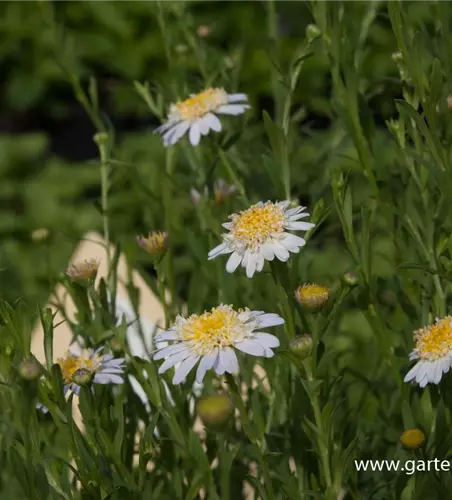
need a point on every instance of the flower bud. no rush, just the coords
(116, 345)
(101, 138)
(203, 30)
(40, 234)
(155, 244)
(215, 411)
(82, 377)
(312, 31)
(312, 296)
(301, 346)
(397, 57)
(84, 271)
(412, 438)
(350, 279)
(30, 369)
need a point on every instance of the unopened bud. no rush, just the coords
(215, 411)
(116, 345)
(397, 57)
(40, 234)
(82, 377)
(350, 279)
(203, 30)
(312, 296)
(412, 438)
(301, 346)
(101, 138)
(449, 102)
(312, 31)
(30, 369)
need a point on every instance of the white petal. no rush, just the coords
(270, 319)
(268, 251)
(299, 226)
(106, 378)
(281, 253)
(284, 204)
(297, 216)
(232, 109)
(166, 126)
(169, 135)
(227, 225)
(169, 350)
(250, 347)
(260, 263)
(222, 248)
(227, 361)
(169, 335)
(195, 134)
(180, 130)
(237, 97)
(424, 372)
(205, 364)
(293, 211)
(268, 353)
(173, 360)
(294, 240)
(184, 369)
(204, 124)
(251, 265)
(214, 122)
(266, 339)
(233, 262)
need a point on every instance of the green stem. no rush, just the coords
(252, 435)
(168, 210)
(101, 140)
(224, 469)
(322, 442)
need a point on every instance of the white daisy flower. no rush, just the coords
(260, 233)
(433, 350)
(104, 368)
(197, 114)
(210, 337)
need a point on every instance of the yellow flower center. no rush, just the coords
(312, 294)
(197, 106)
(220, 327)
(434, 341)
(257, 224)
(70, 364)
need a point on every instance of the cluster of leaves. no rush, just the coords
(378, 190)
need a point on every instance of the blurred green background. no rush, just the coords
(48, 174)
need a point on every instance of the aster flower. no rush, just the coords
(198, 114)
(261, 233)
(103, 367)
(84, 270)
(210, 338)
(433, 350)
(155, 244)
